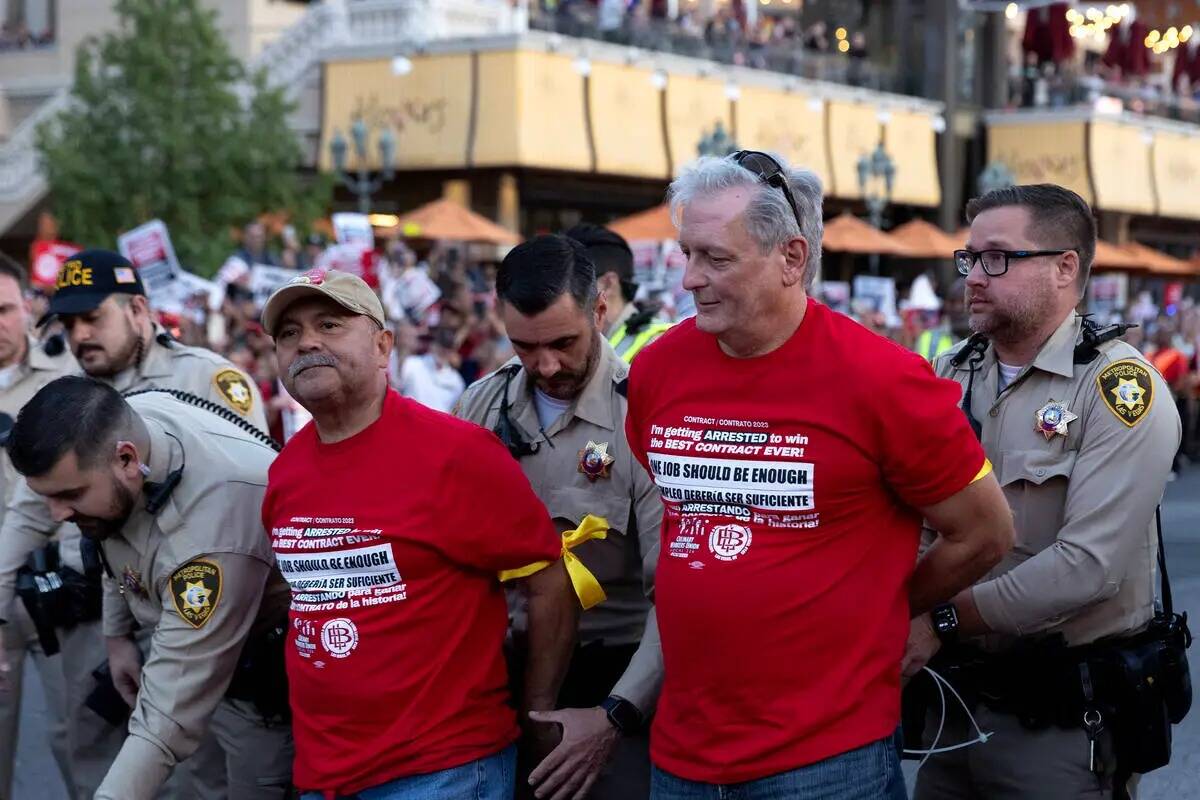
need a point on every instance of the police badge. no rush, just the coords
(131, 582)
(1052, 419)
(594, 461)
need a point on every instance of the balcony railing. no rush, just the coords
(1062, 91)
(786, 55)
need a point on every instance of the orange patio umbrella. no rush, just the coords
(653, 224)
(446, 219)
(1111, 256)
(847, 233)
(1159, 262)
(925, 240)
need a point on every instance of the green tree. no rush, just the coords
(166, 123)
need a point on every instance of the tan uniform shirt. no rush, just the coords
(623, 494)
(32, 374)
(167, 365)
(200, 574)
(1083, 503)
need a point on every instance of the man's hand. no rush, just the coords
(923, 644)
(570, 770)
(4, 665)
(125, 664)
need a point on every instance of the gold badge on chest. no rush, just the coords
(595, 462)
(1053, 418)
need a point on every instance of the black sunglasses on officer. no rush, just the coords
(770, 172)
(995, 262)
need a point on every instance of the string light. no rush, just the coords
(840, 33)
(843, 46)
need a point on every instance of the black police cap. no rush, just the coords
(87, 277)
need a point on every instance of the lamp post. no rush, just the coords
(361, 182)
(996, 175)
(876, 181)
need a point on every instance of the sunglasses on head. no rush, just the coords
(770, 172)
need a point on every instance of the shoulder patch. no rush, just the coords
(1127, 388)
(196, 590)
(234, 387)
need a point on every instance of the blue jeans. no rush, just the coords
(488, 778)
(868, 773)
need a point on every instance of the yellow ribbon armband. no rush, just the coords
(584, 582)
(984, 471)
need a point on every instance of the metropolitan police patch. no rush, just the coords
(196, 590)
(235, 389)
(1127, 388)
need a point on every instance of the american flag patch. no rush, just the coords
(124, 275)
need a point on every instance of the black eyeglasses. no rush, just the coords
(770, 172)
(995, 262)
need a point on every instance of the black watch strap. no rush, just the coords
(945, 622)
(623, 714)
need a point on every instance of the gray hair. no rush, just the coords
(768, 217)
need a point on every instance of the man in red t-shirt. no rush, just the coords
(796, 454)
(391, 521)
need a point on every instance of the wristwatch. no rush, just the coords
(623, 715)
(945, 622)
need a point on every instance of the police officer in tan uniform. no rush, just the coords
(26, 365)
(171, 492)
(102, 304)
(560, 407)
(1081, 432)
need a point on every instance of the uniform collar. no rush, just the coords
(1058, 353)
(156, 363)
(165, 453)
(595, 403)
(36, 358)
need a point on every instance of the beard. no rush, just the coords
(567, 384)
(120, 359)
(1021, 317)
(101, 528)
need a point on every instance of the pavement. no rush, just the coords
(37, 776)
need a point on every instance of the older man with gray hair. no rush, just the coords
(784, 602)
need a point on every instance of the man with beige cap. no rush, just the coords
(391, 521)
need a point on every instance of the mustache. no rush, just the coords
(310, 360)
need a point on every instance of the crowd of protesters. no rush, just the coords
(440, 302)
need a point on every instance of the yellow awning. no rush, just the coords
(627, 121)
(531, 112)
(428, 109)
(1119, 156)
(694, 107)
(1043, 152)
(910, 140)
(791, 125)
(853, 132)
(1176, 166)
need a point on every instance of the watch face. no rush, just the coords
(623, 714)
(945, 619)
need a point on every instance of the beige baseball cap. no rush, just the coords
(349, 291)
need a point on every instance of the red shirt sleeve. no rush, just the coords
(928, 452)
(491, 519)
(633, 425)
